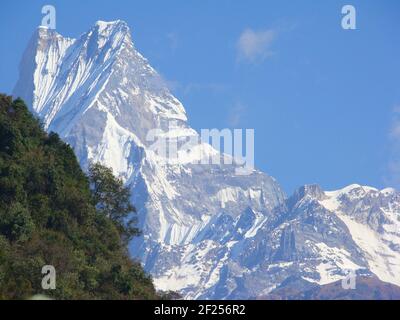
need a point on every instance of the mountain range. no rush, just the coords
(207, 232)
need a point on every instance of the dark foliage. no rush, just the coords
(50, 216)
(112, 199)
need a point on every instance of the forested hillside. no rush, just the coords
(50, 214)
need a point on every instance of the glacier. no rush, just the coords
(207, 232)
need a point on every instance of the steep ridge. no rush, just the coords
(103, 98)
(207, 231)
(373, 220)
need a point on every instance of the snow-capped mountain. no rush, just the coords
(207, 232)
(373, 220)
(315, 237)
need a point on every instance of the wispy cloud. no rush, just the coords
(253, 46)
(211, 87)
(173, 40)
(237, 114)
(395, 129)
(193, 87)
(392, 175)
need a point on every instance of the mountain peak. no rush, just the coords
(352, 191)
(312, 190)
(111, 28)
(114, 23)
(110, 34)
(45, 33)
(103, 98)
(106, 26)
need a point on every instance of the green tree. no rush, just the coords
(50, 216)
(112, 199)
(17, 223)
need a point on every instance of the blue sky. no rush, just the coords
(322, 100)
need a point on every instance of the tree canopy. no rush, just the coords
(112, 199)
(51, 213)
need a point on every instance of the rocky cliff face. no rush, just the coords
(207, 231)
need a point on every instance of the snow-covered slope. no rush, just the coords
(101, 95)
(207, 232)
(373, 220)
